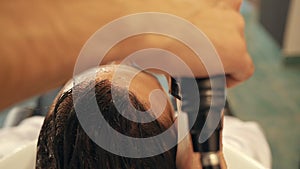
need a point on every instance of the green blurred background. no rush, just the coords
(272, 96)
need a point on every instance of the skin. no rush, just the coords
(141, 86)
(40, 41)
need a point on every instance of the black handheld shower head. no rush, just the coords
(212, 100)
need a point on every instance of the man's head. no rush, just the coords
(64, 144)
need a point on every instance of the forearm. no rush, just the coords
(36, 50)
(39, 46)
(40, 41)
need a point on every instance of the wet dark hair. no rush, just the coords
(63, 144)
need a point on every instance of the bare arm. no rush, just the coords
(40, 41)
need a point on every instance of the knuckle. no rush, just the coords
(240, 21)
(239, 3)
(234, 4)
(249, 69)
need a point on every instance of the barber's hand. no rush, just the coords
(224, 25)
(47, 37)
(220, 20)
